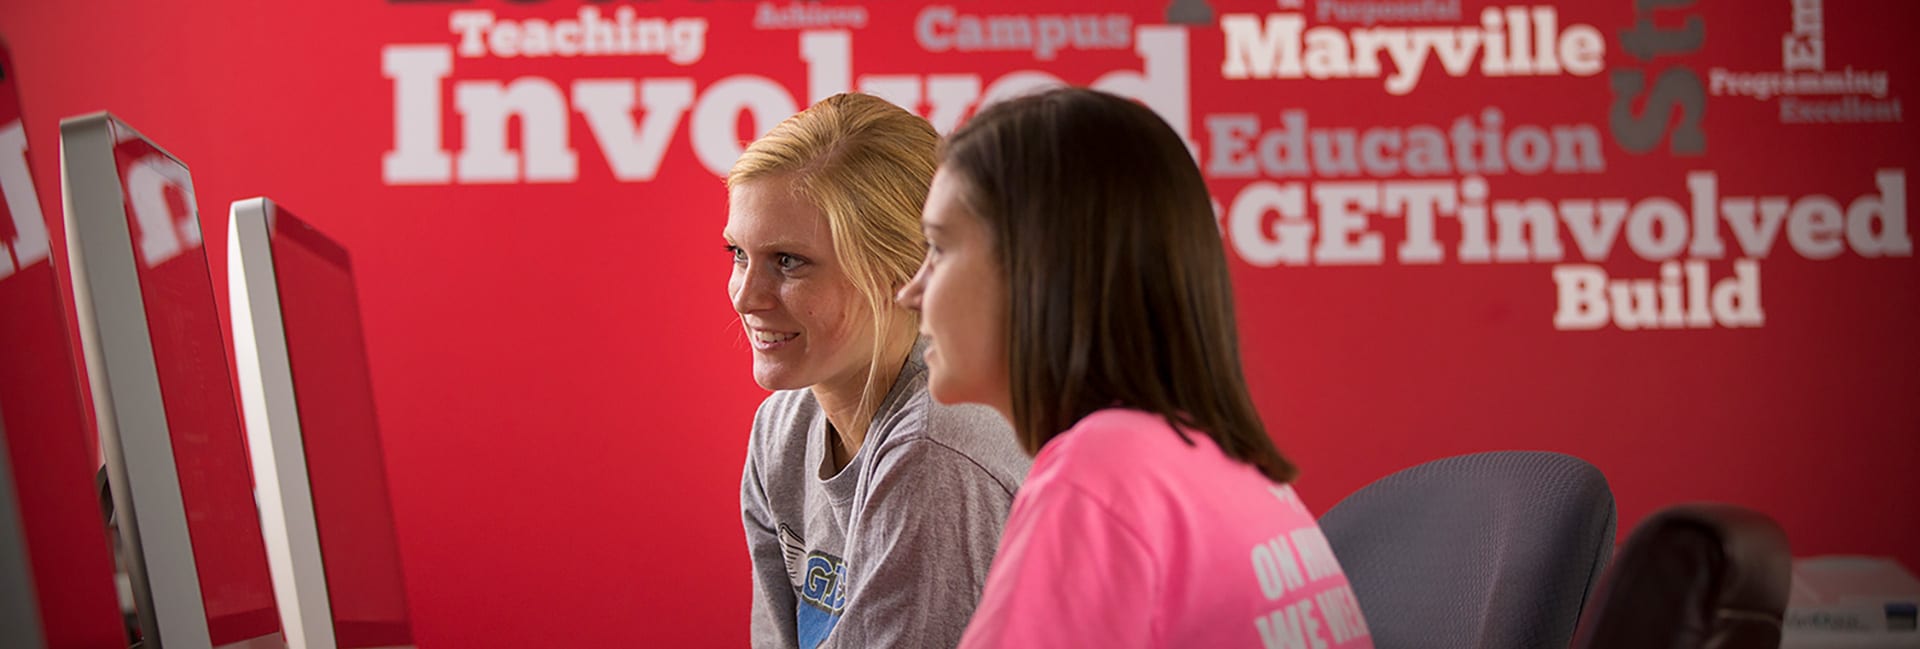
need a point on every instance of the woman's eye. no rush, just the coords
(788, 262)
(739, 256)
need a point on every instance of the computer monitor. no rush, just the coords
(67, 576)
(19, 609)
(311, 426)
(163, 395)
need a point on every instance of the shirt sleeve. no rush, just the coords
(772, 622)
(920, 548)
(1070, 574)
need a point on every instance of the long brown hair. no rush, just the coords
(1117, 284)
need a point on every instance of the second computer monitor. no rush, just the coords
(163, 395)
(313, 431)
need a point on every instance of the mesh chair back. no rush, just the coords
(1484, 551)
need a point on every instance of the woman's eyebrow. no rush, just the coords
(794, 246)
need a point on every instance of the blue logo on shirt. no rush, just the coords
(823, 592)
(825, 582)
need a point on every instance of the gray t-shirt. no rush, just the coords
(893, 550)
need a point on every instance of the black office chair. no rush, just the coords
(1702, 576)
(1485, 551)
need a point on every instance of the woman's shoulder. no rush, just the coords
(1120, 434)
(922, 427)
(784, 417)
(784, 407)
(784, 402)
(1118, 446)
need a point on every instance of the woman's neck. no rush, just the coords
(841, 399)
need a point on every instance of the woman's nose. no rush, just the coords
(909, 295)
(751, 291)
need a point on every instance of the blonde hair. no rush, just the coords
(866, 164)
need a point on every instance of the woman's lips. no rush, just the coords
(767, 340)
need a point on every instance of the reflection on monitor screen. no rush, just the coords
(168, 416)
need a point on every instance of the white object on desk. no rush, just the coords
(1845, 602)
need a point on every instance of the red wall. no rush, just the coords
(565, 399)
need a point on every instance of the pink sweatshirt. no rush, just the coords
(1125, 536)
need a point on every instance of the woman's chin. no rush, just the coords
(942, 387)
(772, 376)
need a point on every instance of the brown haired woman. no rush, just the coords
(871, 512)
(1076, 283)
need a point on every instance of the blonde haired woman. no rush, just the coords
(871, 512)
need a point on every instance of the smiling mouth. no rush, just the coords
(765, 340)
